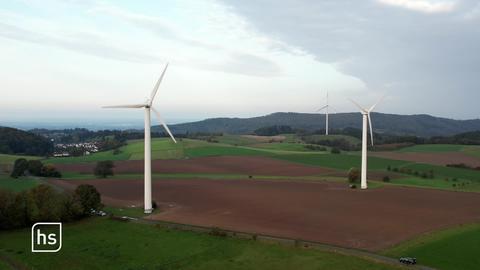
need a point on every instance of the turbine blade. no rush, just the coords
(371, 130)
(129, 106)
(160, 119)
(375, 105)
(333, 108)
(324, 107)
(157, 85)
(356, 104)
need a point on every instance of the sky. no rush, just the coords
(62, 60)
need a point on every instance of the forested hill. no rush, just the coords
(15, 141)
(418, 125)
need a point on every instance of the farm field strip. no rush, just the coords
(99, 243)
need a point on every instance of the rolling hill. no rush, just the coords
(418, 125)
(15, 141)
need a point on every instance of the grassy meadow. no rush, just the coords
(100, 243)
(455, 248)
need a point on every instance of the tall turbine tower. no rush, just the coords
(148, 148)
(326, 108)
(366, 118)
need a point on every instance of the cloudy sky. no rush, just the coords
(62, 60)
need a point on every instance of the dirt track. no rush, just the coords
(218, 165)
(441, 158)
(324, 212)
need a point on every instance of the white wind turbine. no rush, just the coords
(326, 108)
(148, 157)
(366, 118)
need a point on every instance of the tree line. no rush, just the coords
(22, 167)
(15, 141)
(43, 203)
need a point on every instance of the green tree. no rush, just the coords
(103, 168)
(89, 197)
(353, 175)
(35, 167)
(7, 200)
(50, 171)
(71, 206)
(19, 168)
(48, 203)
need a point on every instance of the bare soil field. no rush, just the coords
(215, 165)
(318, 211)
(440, 158)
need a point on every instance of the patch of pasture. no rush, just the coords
(17, 184)
(433, 148)
(340, 161)
(100, 243)
(456, 248)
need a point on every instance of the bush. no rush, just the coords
(19, 168)
(386, 178)
(335, 151)
(315, 147)
(218, 232)
(353, 175)
(50, 171)
(103, 168)
(34, 167)
(88, 197)
(154, 205)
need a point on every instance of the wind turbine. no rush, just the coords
(326, 108)
(148, 148)
(366, 118)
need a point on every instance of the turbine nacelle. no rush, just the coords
(148, 104)
(366, 113)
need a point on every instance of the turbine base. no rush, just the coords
(148, 211)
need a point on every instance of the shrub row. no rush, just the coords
(43, 203)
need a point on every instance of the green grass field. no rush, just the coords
(100, 156)
(454, 249)
(340, 161)
(298, 147)
(459, 185)
(433, 148)
(350, 139)
(99, 243)
(472, 150)
(445, 172)
(19, 184)
(237, 140)
(9, 159)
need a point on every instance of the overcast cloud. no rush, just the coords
(424, 54)
(238, 58)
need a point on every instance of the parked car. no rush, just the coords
(408, 260)
(99, 213)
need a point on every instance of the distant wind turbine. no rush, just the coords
(326, 108)
(148, 149)
(366, 118)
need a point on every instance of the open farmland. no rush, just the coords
(320, 211)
